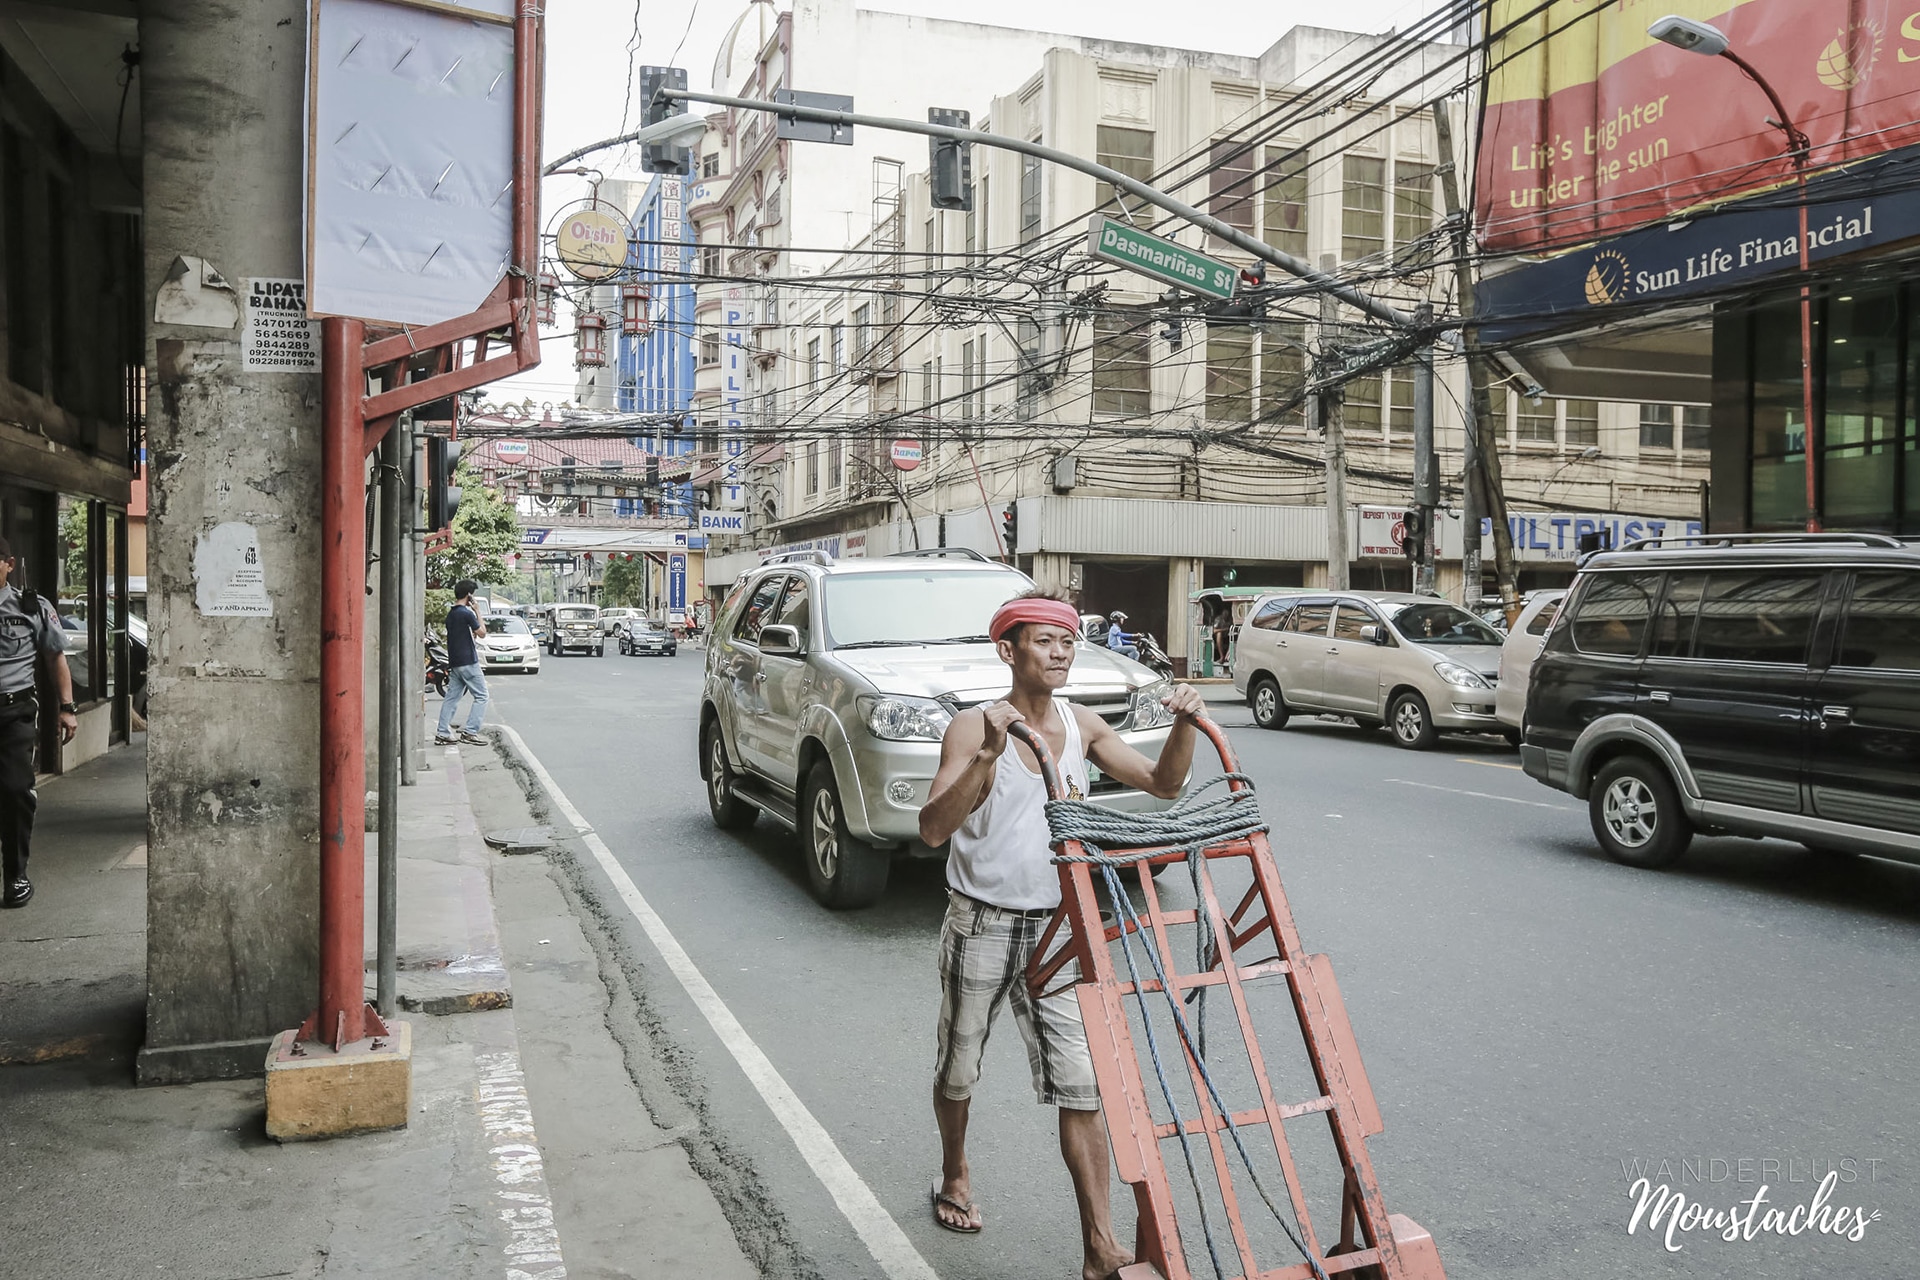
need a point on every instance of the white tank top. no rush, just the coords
(1001, 854)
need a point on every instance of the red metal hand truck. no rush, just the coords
(1373, 1244)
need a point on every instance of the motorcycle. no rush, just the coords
(1153, 656)
(438, 666)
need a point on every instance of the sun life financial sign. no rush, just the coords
(1129, 247)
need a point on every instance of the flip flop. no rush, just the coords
(938, 1198)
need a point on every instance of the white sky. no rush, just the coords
(587, 61)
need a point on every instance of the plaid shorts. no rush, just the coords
(983, 964)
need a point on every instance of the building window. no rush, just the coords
(926, 237)
(838, 336)
(813, 467)
(1129, 151)
(1412, 201)
(1695, 428)
(980, 208)
(1283, 373)
(816, 375)
(709, 346)
(708, 440)
(1026, 332)
(1360, 414)
(1363, 207)
(1230, 183)
(862, 331)
(1285, 203)
(1029, 198)
(1229, 373)
(710, 165)
(1535, 422)
(980, 377)
(1122, 362)
(966, 381)
(1400, 405)
(1656, 426)
(926, 384)
(710, 261)
(1583, 423)
(836, 461)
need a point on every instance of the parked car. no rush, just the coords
(1522, 646)
(576, 626)
(1760, 686)
(1418, 665)
(509, 645)
(638, 635)
(828, 686)
(610, 619)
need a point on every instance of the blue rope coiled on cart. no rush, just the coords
(1114, 840)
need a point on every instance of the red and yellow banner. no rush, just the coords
(1592, 127)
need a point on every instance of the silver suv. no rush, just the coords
(1416, 664)
(828, 687)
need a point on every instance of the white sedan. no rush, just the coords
(1523, 645)
(509, 646)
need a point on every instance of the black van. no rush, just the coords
(1753, 684)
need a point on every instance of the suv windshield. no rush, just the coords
(507, 625)
(915, 608)
(1441, 623)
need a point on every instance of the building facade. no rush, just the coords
(983, 382)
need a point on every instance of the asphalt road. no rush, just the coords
(1539, 1024)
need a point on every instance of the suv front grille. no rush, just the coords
(1111, 707)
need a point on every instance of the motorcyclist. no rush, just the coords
(1119, 639)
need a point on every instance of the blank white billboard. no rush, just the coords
(409, 157)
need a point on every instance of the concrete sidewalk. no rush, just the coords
(529, 1153)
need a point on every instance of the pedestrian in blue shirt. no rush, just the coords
(463, 662)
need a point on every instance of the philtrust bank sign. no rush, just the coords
(1680, 260)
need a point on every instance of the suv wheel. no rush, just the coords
(842, 870)
(730, 812)
(1411, 722)
(1269, 708)
(1636, 813)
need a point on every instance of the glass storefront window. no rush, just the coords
(1862, 409)
(1779, 437)
(76, 592)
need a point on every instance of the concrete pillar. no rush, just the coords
(233, 749)
(1184, 577)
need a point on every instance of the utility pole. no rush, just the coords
(1483, 446)
(1332, 405)
(1426, 470)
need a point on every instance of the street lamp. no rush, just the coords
(1708, 40)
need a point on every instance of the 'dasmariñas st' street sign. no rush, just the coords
(1129, 247)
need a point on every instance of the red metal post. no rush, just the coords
(341, 1017)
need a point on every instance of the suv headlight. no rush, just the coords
(903, 719)
(1146, 711)
(1455, 674)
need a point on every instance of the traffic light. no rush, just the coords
(949, 163)
(443, 495)
(659, 157)
(1174, 333)
(1010, 528)
(1413, 537)
(1255, 278)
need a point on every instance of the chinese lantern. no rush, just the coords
(590, 341)
(633, 308)
(545, 289)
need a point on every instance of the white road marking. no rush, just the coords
(1491, 764)
(1482, 795)
(521, 1201)
(874, 1225)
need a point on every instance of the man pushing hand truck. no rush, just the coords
(1002, 890)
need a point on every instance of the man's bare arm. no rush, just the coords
(969, 752)
(1163, 777)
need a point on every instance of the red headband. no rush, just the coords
(1033, 609)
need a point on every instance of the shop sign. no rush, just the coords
(591, 243)
(906, 454)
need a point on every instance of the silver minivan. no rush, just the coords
(1415, 664)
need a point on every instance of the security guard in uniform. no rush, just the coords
(29, 633)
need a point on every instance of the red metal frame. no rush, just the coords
(1261, 926)
(411, 367)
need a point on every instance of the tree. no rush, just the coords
(73, 536)
(622, 585)
(485, 532)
